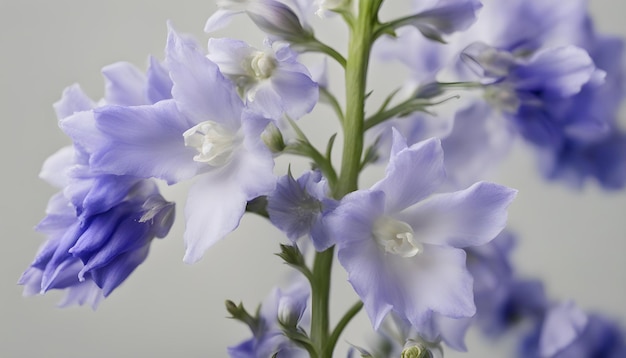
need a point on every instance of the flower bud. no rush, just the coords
(414, 352)
(278, 19)
(289, 313)
(273, 138)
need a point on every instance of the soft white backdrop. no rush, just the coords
(575, 241)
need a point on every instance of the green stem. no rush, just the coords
(361, 39)
(322, 268)
(332, 341)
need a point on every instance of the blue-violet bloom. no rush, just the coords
(204, 131)
(271, 81)
(402, 246)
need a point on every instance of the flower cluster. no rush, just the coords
(424, 247)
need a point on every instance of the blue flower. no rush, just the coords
(272, 81)
(100, 225)
(92, 248)
(204, 131)
(568, 332)
(402, 247)
(474, 139)
(299, 207)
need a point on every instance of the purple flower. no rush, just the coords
(475, 140)
(204, 131)
(91, 254)
(537, 94)
(402, 247)
(100, 226)
(271, 80)
(574, 162)
(598, 152)
(299, 208)
(286, 307)
(568, 332)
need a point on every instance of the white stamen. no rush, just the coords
(214, 143)
(396, 237)
(262, 65)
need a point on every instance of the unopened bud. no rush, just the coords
(273, 138)
(288, 313)
(232, 308)
(278, 19)
(416, 349)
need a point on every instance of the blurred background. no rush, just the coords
(574, 241)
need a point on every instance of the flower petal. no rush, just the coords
(439, 282)
(464, 218)
(213, 210)
(412, 173)
(150, 143)
(124, 84)
(200, 90)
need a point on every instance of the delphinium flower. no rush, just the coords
(204, 130)
(568, 332)
(299, 208)
(555, 82)
(100, 226)
(402, 247)
(578, 124)
(474, 139)
(503, 300)
(271, 81)
(531, 90)
(283, 310)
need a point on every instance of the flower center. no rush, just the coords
(214, 143)
(262, 65)
(396, 237)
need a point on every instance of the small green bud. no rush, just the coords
(415, 351)
(231, 307)
(273, 138)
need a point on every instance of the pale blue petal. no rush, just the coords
(73, 100)
(464, 218)
(213, 210)
(438, 282)
(220, 19)
(144, 141)
(297, 91)
(200, 90)
(159, 82)
(562, 326)
(412, 174)
(124, 84)
(54, 169)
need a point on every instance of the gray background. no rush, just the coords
(575, 241)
